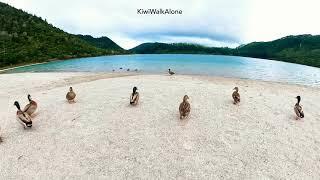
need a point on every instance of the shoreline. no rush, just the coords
(19, 66)
(208, 77)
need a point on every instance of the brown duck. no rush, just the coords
(184, 107)
(71, 95)
(134, 97)
(298, 109)
(236, 96)
(22, 117)
(31, 107)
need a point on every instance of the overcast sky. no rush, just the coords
(208, 22)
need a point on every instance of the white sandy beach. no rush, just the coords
(101, 136)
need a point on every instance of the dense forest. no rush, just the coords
(25, 38)
(301, 49)
(101, 42)
(179, 48)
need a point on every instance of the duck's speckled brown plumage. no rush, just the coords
(236, 96)
(134, 97)
(31, 107)
(22, 117)
(71, 95)
(298, 109)
(184, 107)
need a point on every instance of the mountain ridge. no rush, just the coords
(301, 49)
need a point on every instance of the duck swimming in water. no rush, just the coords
(71, 95)
(184, 107)
(298, 109)
(31, 107)
(23, 117)
(134, 97)
(236, 96)
(171, 72)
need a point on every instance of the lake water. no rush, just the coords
(225, 66)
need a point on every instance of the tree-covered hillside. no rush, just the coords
(302, 49)
(101, 42)
(25, 38)
(178, 48)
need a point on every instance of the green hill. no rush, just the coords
(25, 38)
(301, 49)
(101, 42)
(178, 48)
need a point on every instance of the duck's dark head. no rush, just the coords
(236, 88)
(29, 97)
(169, 70)
(299, 98)
(16, 103)
(70, 89)
(135, 89)
(185, 97)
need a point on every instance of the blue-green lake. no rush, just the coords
(212, 65)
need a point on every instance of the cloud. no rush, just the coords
(208, 22)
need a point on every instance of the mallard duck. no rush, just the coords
(236, 96)
(71, 95)
(23, 117)
(298, 109)
(184, 107)
(31, 107)
(1, 138)
(134, 97)
(171, 72)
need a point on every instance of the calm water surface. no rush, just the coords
(212, 65)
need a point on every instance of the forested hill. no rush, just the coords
(25, 38)
(301, 49)
(101, 42)
(178, 48)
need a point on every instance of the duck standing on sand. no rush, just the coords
(171, 72)
(134, 97)
(184, 107)
(31, 107)
(236, 96)
(298, 109)
(71, 95)
(1, 137)
(23, 117)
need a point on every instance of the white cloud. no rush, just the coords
(209, 22)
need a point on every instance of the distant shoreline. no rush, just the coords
(19, 66)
